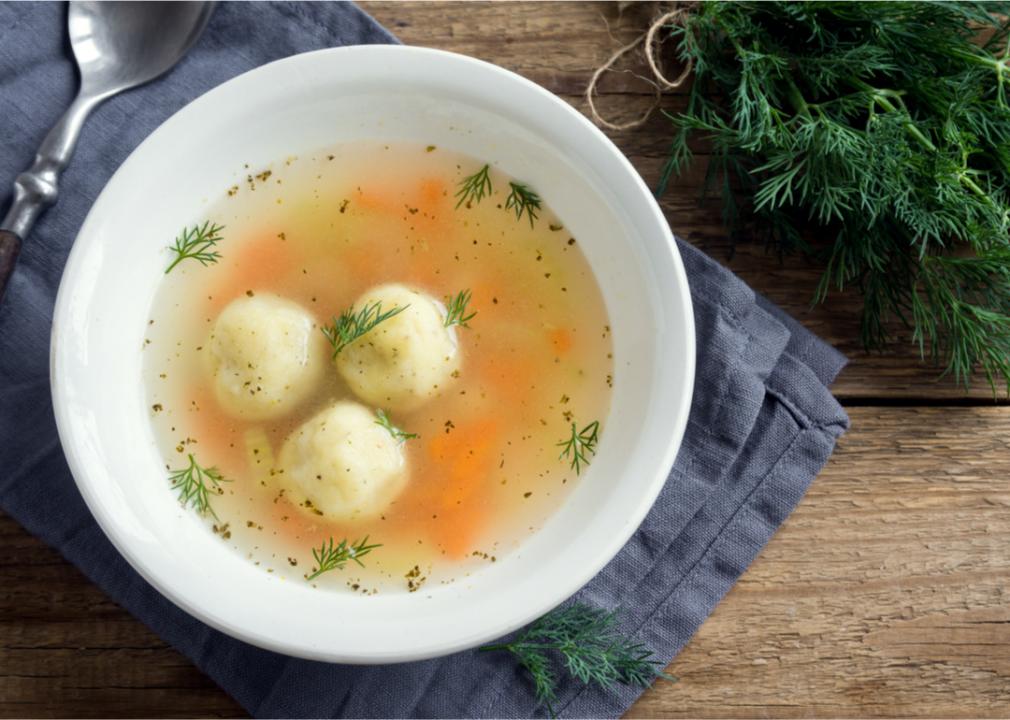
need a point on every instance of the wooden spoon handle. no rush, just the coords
(10, 246)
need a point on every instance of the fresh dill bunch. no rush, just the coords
(398, 434)
(523, 199)
(590, 647)
(474, 188)
(352, 325)
(196, 484)
(455, 306)
(330, 556)
(581, 442)
(874, 137)
(198, 243)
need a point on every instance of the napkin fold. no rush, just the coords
(762, 422)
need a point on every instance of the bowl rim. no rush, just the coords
(288, 646)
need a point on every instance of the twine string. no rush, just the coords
(659, 81)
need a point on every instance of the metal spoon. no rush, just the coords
(118, 46)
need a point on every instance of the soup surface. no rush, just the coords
(485, 455)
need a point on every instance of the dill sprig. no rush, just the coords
(330, 556)
(352, 325)
(883, 129)
(579, 443)
(590, 647)
(474, 188)
(455, 306)
(196, 484)
(523, 199)
(197, 243)
(398, 434)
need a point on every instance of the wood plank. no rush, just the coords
(883, 595)
(559, 45)
(556, 44)
(66, 650)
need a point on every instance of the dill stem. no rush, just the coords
(799, 103)
(526, 645)
(880, 97)
(174, 263)
(973, 186)
(1000, 66)
(983, 59)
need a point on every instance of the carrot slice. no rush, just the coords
(561, 340)
(260, 264)
(433, 195)
(459, 533)
(214, 430)
(465, 455)
(375, 200)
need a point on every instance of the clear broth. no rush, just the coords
(485, 472)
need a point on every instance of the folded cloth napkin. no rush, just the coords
(761, 426)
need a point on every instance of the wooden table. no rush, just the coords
(883, 595)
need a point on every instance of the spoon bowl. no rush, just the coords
(120, 45)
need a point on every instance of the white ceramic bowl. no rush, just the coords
(294, 106)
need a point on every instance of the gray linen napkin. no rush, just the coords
(762, 423)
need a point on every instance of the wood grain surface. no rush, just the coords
(10, 247)
(883, 595)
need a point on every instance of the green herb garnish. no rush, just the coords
(195, 485)
(882, 128)
(590, 647)
(396, 432)
(333, 557)
(197, 243)
(581, 442)
(352, 325)
(474, 188)
(522, 199)
(456, 309)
